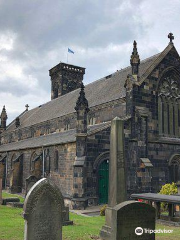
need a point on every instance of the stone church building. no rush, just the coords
(68, 138)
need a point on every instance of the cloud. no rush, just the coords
(35, 35)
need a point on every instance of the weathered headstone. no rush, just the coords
(133, 220)
(178, 206)
(43, 212)
(30, 181)
(66, 220)
(178, 187)
(123, 217)
(117, 170)
(0, 191)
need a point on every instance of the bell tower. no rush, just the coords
(65, 78)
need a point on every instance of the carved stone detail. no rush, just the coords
(34, 195)
(169, 87)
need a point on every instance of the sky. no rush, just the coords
(35, 36)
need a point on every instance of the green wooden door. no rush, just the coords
(103, 182)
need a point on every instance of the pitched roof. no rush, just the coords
(51, 139)
(156, 62)
(101, 91)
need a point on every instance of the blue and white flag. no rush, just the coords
(70, 51)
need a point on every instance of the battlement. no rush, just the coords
(65, 78)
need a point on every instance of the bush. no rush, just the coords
(102, 210)
(168, 189)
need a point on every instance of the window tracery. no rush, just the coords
(169, 105)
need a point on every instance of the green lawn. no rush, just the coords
(84, 228)
(8, 195)
(12, 225)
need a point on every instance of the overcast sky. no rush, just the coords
(35, 35)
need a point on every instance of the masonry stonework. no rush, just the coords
(68, 138)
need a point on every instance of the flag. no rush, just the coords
(70, 51)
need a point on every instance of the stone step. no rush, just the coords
(105, 232)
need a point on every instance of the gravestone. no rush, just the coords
(133, 220)
(177, 214)
(117, 167)
(117, 173)
(30, 181)
(0, 191)
(66, 220)
(123, 217)
(43, 212)
(178, 187)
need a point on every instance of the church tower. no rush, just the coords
(65, 78)
(3, 119)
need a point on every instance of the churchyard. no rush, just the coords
(84, 228)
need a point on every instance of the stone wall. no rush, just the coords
(63, 176)
(145, 140)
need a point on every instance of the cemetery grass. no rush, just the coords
(9, 195)
(85, 228)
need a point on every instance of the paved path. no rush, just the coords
(89, 211)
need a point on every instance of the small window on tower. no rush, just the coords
(92, 120)
(55, 93)
(67, 126)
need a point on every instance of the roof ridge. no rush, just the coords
(156, 62)
(36, 115)
(40, 137)
(123, 69)
(98, 80)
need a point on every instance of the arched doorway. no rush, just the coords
(16, 175)
(3, 171)
(36, 165)
(174, 168)
(103, 181)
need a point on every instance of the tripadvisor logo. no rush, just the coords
(140, 231)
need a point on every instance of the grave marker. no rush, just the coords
(43, 212)
(30, 181)
(133, 220)
(123, 217)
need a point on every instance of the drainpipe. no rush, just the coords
(43, 162)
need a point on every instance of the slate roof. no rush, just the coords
(51, 139)
(101, 91)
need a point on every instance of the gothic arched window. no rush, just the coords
(169, 105)
(175, 169)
